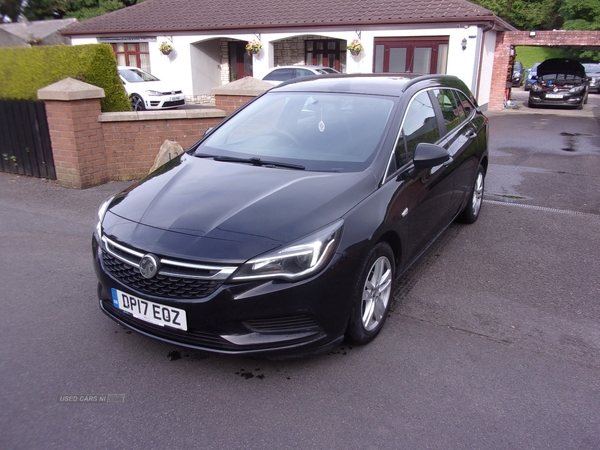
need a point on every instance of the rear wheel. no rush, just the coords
(471, 211)
(373, 295)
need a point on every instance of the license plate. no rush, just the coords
(148, 311)
(554, 96)
(176, 98)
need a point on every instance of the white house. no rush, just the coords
(209, 38)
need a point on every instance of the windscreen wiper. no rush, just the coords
(258, 162)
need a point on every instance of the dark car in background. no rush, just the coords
(518, 73)
(592, 71)
(283, 229)
(285, 73)
(531, 75)
(559, 82)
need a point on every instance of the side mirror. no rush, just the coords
(426, 157)
(429, 155)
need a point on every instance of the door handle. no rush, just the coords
(471, 134)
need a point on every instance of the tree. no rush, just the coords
(9, 10)
(581, 14)
(527, 14)
(79, 9)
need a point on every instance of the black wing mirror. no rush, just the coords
(426, 157)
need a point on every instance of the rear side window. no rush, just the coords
(300, 73)
(465, 102)
(420, 125)
(451, 109)
(280, 75)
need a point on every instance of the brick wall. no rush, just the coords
(131, 146)
(230, 103)
(501, 56)
(91, 148)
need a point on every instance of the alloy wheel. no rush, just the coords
(376, 293)
(477, 194)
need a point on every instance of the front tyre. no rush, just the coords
(473, 208)
(137, 103)
(372, 296)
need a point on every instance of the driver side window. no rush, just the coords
(420, 125)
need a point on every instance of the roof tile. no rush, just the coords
(160, 16)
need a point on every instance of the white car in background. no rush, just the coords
(147, 92)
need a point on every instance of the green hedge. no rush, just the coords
(25, 70)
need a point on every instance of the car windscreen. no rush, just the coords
(137, 76)
(319, 131)
(591, 68)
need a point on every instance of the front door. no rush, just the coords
(240, 62)
(411, 55)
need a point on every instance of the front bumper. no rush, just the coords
(275, 318)
(164, 102)
(540, 98)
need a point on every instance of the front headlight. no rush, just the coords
(298, 260)
(100, 217)
(576, 89)
(154, 93)
(536, 87)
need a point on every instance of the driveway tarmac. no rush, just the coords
(493, 342)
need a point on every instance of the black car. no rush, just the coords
(559, 82)
(283, 229)
(284, 73)
(517, 75)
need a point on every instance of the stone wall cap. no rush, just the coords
(133, 116)
(247, 86)
(70, 89)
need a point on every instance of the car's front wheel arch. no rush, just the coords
(372, 295)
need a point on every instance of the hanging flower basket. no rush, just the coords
(355, 47)
(253, 47)
(165, 48)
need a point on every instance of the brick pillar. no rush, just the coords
(234, 95)
(501, 58)
(230, 103)
(72, 108)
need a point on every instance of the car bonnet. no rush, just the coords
(230, 211)
(560, 66)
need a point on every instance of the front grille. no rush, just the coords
(175, 279)
(171, 104)
(160, 285)
(290, 324)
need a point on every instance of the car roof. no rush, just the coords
(377, 84)
(300, 67)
